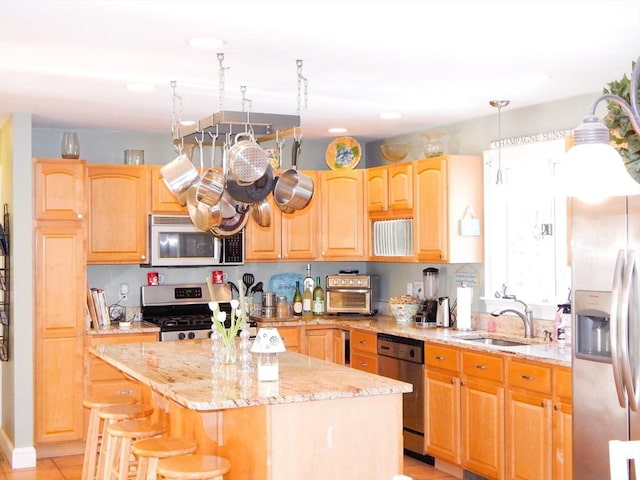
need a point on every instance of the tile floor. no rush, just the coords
(70, 468)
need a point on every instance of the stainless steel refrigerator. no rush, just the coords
(605, 251)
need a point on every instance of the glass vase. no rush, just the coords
(432, 146)
(230, 356)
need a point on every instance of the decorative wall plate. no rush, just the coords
(343, 153)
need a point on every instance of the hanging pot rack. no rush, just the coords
(264, 125)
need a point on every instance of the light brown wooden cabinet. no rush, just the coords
(291, 338)
(446, 190)
(442, 402)
(292, 236)
(562, 424)
(390, 190)
(60, 267)
(364, 350)
(528, 421)
(59, 187)
(104, 379)
(483, 414)
(118, 214)
(343, 236)
(324, 343)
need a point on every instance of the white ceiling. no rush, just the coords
(436, 62)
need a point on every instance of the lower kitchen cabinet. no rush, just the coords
(442, 402)
(291, 338)
(364, 350)
(529, 421)
(324, 344)
(483, 414)
(562, 420)
(103, 379)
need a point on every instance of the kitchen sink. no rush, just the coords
(498, 342)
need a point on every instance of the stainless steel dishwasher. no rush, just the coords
(403, 359)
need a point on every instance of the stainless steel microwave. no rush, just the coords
(176, 242)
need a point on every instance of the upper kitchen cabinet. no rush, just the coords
(162, 199)
(448, 197)
(118, 212)
(291, 236)
(343, 236)
(390, 190)
(59, 189)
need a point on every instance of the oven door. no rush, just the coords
(179, 245)
(349, 300)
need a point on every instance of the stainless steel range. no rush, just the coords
(182, 311)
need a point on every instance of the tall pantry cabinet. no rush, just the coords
(60, 279)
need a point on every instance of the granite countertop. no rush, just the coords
(536, 349)
(116, 328)
(183, 371)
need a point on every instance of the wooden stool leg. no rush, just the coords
(91, 447)
(107, 446)
(124, 452)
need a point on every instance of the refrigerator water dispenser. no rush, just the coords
(592, 325)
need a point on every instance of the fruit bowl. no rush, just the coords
(394, 152)
(404, 312)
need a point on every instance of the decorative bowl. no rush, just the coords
(394, 152)
(404, 312)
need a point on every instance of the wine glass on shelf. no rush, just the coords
(70, 145)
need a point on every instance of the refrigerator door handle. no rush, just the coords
(626, 315)
(614, 326)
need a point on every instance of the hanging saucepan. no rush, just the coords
(293, 190)
(179, 174)
(212, 183)
(247, 160)
(200, 211)
(254, 192)
(232, 225)
(261, 213)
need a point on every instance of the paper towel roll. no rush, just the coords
(463, 317)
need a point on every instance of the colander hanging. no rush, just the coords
(247, 161)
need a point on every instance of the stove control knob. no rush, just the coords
(192, 335)
(181, 336)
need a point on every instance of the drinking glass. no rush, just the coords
(70, 145)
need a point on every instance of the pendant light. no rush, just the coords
(592, 169)
(499, 104)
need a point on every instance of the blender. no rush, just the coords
(427, 315)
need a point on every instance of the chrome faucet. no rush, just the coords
(527, 317)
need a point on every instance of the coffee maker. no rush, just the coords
(428, 312)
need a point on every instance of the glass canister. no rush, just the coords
(283, 310)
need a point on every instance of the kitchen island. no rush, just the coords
(319, 421)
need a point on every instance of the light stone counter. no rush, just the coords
(310, 424)
(115, 328)
(182, 371)
(536, 349)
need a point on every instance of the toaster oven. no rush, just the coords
(350, 292)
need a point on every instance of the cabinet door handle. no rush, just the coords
(440, 358)
(364, 364)
(527, 377)
(363, 342)
(556, 407)
(79, 216)
(453, 381)
(124, 392)
(481, 367)
(143, 257)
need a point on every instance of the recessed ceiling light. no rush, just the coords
(141, 87)
(337, 130)
(206, 43)
(390, 116)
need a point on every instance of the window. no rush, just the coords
(526, 229)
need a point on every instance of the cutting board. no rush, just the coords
(284, 284)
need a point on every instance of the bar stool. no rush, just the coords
(117, 413)
(120, 435)
(150, 450)
(94, 435)
(193, 467)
